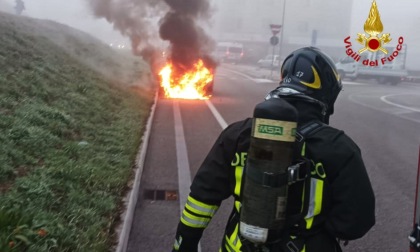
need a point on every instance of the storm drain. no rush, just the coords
(160, 194)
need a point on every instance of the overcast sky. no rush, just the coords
(399, 17)
(76, 13)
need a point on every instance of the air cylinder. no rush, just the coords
(265, 188)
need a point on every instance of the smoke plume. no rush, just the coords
(188, 41)
(148, 22)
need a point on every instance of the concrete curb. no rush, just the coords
(132, 196)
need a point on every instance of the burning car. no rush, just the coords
(194, 82)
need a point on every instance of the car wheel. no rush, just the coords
(394, 81)
(381, 80)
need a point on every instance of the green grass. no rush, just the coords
(68, 138)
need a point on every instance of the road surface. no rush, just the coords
(383, 120)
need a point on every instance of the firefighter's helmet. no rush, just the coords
(310, 74)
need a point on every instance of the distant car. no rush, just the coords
(229, 52)
(268, 62)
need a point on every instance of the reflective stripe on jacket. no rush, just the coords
(337, 166)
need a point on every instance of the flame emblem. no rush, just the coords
(373, 26)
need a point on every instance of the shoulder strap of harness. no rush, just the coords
(303, 132)
(308, 129)
(304, 166)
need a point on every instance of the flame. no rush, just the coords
(373, 25)
(189, 85)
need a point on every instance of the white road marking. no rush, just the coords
(265, 80)
(184, 174)
(388, 111)
(384, 99)
(184, 177)
(216, 115)
(354, 83)
(257, 80)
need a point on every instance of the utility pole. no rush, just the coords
(282, 33)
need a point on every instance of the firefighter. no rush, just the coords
(339, 203)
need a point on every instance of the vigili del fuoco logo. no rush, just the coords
(372, 41)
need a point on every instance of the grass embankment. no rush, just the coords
(68, 137)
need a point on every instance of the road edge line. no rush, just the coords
(183, 164)
(217, 115)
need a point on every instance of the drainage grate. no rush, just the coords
(160, 194)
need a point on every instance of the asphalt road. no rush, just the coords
(384, 120)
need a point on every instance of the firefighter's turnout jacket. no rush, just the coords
(340, 202)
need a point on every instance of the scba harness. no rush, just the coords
(298, 179)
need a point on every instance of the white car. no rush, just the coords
(229, 52)
(269, 62)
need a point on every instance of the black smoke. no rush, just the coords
(148, 22)
(135, 19)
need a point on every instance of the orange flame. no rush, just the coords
(190, 85)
